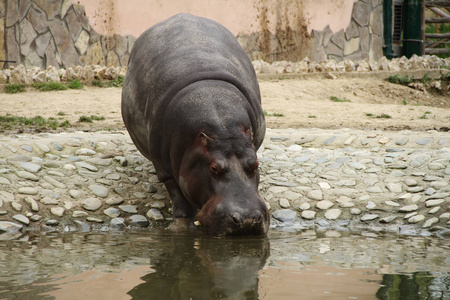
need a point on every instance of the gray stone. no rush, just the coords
(6, 226)
(114, 201)
(436, 166)
(30, 167)
(284, 215)
(409, 208)
(131, 209)
(85, 151)
(18, 157)
(402, 141)
(52, 222)
(430, 222)
(374, 189)
(81, 164)
(339, 39)
(57, 146)
(369, 217)
(27, 148)
(54, 182)
(388, 219)
(100, 162)
(92, 204)
(27, 36)
(79, 214)
(394, 187)
(49, 201)
(16, 206)
(99, 190)
(423, 141)
(76, 194)
(352, 30)
(435, 202)
(64, 43)
(315, 195)
(22, 219)
(94, 219)
(57, 211)
(82, 42)
(4, 181)
(33, 204)
(308, 214)
(416, 219)
(27, 175)
(155, 214)
(415, 189)
(112, 212)
(27, 191)
(410, 182)
(333, 214)
(324, 204)
(138, 220)
(360, 13)
(118, 222)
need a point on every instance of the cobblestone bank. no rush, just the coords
(396, 181)
(20, 74)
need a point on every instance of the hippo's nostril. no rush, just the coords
(258, 216)
(237, 218)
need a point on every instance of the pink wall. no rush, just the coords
(132, 17)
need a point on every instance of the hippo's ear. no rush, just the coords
(204, 139)
(249, 132)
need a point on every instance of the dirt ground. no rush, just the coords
(303, 102)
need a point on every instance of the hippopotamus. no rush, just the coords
(191, 104)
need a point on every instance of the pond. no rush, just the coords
(153, 264)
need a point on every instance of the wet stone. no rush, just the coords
(112, 212)
(308, 214)
(333, 214)
(284, 215)
(388, 219)
(52, 222)
(138, 220)
(154, 214)
(99, 190)
(416, 219)
(369, 217)
(95, 220)
(92, 204)
(6, 226)
(22, 219)
(131, 209)
(118, 222)
(79, 214)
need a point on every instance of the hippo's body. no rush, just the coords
(191, 104)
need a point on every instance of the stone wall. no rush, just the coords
(43, 33)
(362, 39)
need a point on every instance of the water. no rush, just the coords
(153, 264)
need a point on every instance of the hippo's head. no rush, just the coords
(220, 177)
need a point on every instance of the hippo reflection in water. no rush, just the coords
(205, 268)
(192, 105)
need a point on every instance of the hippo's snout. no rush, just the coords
(251, 223)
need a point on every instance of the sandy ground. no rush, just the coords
(304, 102)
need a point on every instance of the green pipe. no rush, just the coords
(412, 27)
(387, 30)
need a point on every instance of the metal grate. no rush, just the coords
(398, 10)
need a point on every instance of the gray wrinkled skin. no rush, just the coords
(187, 76)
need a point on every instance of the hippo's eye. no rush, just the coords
(253, 167)
(215, 169)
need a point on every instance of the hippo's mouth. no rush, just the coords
(217, 222)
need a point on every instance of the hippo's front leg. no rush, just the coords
(183, 212)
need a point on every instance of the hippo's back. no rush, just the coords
(172, 55)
